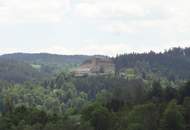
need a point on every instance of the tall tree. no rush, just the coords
(172, 118)
(98, 116)
(186, 105)
(144, 117)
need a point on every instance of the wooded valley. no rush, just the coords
(148, 91)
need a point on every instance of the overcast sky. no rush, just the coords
(93, 26)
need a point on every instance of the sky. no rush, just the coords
(106, 27)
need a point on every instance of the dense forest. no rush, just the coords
(171, 64)
(149, 91)
(21, 67)
(15, 71)
(45, 58)
(94, 103)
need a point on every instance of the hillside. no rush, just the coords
(48, 64)
(14, 71)
(45, 58)
(98, 102)
(172, 64)
(20, 67)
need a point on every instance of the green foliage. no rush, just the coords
(95, 103)
(21, 67)
(185, 91)
(98, 116)
(135, 126)
(156, 93)
(144, 117)
(172, 64)
(186, 105)
(18, 72)
(172, 117)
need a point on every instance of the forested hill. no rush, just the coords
(14, 71)
(45, 58)
(132, 100)
(172, 64)
(21, 67)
